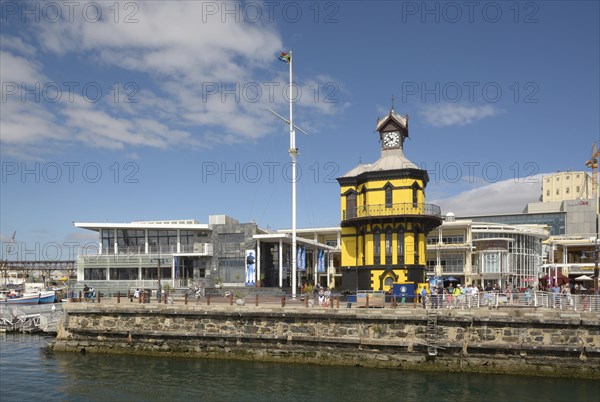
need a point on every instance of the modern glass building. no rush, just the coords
(486, 253)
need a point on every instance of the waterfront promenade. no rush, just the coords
(546, 341)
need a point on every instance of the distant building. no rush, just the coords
(569, 209)
(563, 186)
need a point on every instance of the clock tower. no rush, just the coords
(392, 129)
(384, 217)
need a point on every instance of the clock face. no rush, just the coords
(391, 139)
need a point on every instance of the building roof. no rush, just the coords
(401, 120)
(175, 224)
(391, 159)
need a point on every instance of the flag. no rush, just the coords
(286, 58)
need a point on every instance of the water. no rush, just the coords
(29, 372)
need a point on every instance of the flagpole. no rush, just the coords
(293, 151)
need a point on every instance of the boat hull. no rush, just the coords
(32, 298)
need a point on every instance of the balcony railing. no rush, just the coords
(405, 208)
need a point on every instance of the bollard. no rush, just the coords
(256, 304)
(185, 297)
(165, 298)
(367, 303)
(337, 302)
(129, 295)
(80, 296)
(283, 301)
(306, 301)
(231, 300)
(208, 299)
(118, 297)
(141, 297)
(99, 294)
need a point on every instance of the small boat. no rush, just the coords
(41, 297)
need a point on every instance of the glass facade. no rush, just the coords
(131, 240)
(108, 241)
(162, 240)
(446, 239)
(556, 220)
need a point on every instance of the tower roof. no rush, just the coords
(392, 159)
(395, 119)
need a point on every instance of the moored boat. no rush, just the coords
(12, 297)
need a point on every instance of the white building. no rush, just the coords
(486, 253)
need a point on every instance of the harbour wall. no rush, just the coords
(512, 341)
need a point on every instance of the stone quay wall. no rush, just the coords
(512, 341)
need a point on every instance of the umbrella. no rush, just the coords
(584, 278)
(451, 279)
(561, 279)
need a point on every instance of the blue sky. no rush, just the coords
(156, 110)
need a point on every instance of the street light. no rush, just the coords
(158, 261)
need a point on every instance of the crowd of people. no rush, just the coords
(322, 293)
(469, 295)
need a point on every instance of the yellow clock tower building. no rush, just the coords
(385, 219)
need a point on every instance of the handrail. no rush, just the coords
(403, 208)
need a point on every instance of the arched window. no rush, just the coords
(388, 247)
(377, 248)
(351, 205)
(388, 197)
(415, 194)
(400, 241)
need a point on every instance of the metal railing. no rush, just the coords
(405, 208)
(575, 302)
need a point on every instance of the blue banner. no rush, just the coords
(176, 267)
(321, 261)
(301, 258)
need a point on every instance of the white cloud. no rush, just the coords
(507, 196)
(175, 54)
(451, 114)
(17, 45)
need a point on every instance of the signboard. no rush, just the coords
(404, 289)
(375, 299)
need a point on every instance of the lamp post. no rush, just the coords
(596, 252)
(159, 289)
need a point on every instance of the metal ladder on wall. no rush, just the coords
(431, 335)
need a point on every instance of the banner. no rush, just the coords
(321, 261)
(176, 267)
(301, 258)
(250, 268)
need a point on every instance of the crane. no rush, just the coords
(593, 164)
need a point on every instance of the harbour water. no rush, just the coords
(28, 371)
